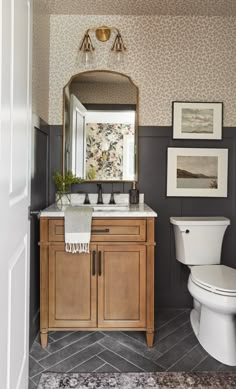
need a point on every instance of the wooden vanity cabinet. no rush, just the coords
(112, 287)
(72, 289)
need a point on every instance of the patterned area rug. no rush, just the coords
(137, 380)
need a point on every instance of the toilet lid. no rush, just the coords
(218, 279)
(199, 220)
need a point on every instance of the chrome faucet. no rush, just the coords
(100, 199)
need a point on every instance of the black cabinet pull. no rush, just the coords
(99, 263)
(102, 230)
(94, 263)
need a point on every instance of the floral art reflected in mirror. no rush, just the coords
(100, 126)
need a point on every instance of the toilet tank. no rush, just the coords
(198, 240)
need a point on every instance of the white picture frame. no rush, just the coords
(197, 172)
(197, 120)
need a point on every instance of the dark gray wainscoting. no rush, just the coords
(55, 157)
(170, 276)
(39, 200)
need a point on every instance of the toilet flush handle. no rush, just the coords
(185, 231)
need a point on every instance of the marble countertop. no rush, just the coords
(132, 210)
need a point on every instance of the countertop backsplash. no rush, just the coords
(78, 198)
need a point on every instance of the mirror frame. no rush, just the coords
(136, 124)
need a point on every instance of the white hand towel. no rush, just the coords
(78, 229)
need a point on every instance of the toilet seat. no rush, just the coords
(218, 279)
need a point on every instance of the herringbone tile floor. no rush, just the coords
(175, 349)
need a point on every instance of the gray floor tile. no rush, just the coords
(118, 362)
(223, 367)
(107, 369)
(32, 385)
(143, 349)
(60, 334)
(171, 326)
(67, 340)
(34, 367)
(71, 349)
(130, 355)
(165, 315)
(178, 351)
(37, 352)
(208, 364)
(36, 378)
(50, 339)
(140, 336)
(90, 365)
(78, 358)
(171, 340)
(190, 360)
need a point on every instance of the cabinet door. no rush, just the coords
(121, 286)
(72, 288)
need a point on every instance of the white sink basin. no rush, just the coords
(110, 207)
(105, 207)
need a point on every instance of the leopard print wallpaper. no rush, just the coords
(140, 7)
(40, 62)
(181, 58)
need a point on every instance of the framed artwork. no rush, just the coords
(197, 172)
(197, 120)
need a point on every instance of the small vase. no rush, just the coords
(63, 198)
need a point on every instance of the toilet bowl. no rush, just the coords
(212, 285)
(214, 318)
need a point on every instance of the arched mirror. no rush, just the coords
(100, 117)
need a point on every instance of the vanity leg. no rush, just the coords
(44, 339)
(150, 338)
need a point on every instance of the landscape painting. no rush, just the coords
(197, 120)
(197, 172)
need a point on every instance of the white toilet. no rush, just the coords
(198, 243)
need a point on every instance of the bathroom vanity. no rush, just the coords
(112, 287)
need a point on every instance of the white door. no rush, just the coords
(15, 129)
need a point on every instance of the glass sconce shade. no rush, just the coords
(118, 45)
(86, 44)
(86, 54)
(87, 57)
(117, 56)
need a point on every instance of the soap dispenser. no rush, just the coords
(134, 194)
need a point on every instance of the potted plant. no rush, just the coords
(63, 185)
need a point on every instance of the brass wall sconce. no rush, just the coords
(102, 34)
